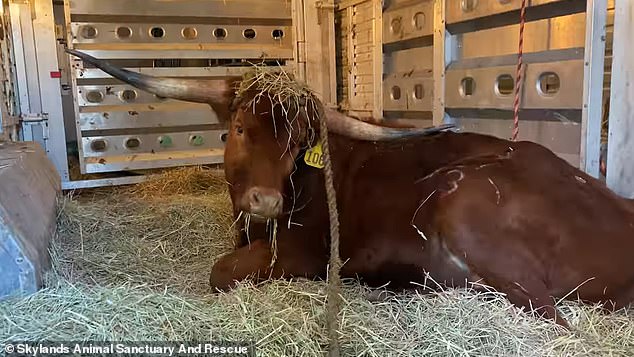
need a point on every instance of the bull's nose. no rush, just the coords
(265, 202)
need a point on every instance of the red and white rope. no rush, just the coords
(518, 75)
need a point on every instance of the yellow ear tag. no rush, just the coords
(315, 156)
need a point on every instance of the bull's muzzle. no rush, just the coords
(264, 202)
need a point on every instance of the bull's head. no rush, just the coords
(262, 143)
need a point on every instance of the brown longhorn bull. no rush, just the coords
(460, 208)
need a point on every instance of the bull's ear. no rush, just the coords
(218, 93)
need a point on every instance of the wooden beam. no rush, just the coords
(620, 170)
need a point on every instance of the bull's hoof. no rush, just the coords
(378, 295)
(220, 278)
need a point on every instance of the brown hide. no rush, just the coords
(462, 207)
(521, 219)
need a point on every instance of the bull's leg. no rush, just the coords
(534, 297)
(295, 258)
(256, 231)
(508, 273)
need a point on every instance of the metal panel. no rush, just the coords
(167, 133)
(596, 15)
(152, 143)
(408, 22)
(149, 161)
(487, 95)
(115, 33)
(218, 71)
(99, 95)
(563, 139)
(408, 91)
(163, 115)
(620, 171)
(269, 9)
(550, 34)
(464, 10)
(216, 51)
(409, 60)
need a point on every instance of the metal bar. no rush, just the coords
(442, 57)
(594, 55)
(377, 55)
(73, 85)
(18, 54)
(244, 9)
(29, 48)
(115, 181)
(620, 171)
(50, 88)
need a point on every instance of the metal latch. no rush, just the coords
(34, 117)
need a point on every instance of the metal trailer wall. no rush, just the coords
(455, 61)
(122, 128)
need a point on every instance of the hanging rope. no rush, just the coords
(334, 280)
(518, 75)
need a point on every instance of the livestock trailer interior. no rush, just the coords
(118, 219)
(424, 62)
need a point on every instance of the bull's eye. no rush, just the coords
(239, 130)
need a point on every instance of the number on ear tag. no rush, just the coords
(315, 156)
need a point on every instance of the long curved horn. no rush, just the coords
(218, 93)
(356, 129)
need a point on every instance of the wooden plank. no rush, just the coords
(620, 171)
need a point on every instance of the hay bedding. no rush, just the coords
(133, 264)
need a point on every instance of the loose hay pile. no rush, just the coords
(133, 264)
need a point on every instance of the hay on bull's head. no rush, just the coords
(281, 89)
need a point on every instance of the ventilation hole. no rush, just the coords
(419, 20)
(468, 5)
(249, 33)
(196, 140)
(132, 143)
(128, 95)
(396, 25)
(419, 92)
(94, 96)
(124, 32)
(88, 32)
(548, 83)
(223, 137)
(165, 141)
(467, 87)
(395, 93)
(157, 32)
(277, 34)
(220, 33)
(189, 33)
(505, 85)
(98, 145)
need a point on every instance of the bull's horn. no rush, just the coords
(218, 93)
(356, 129)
